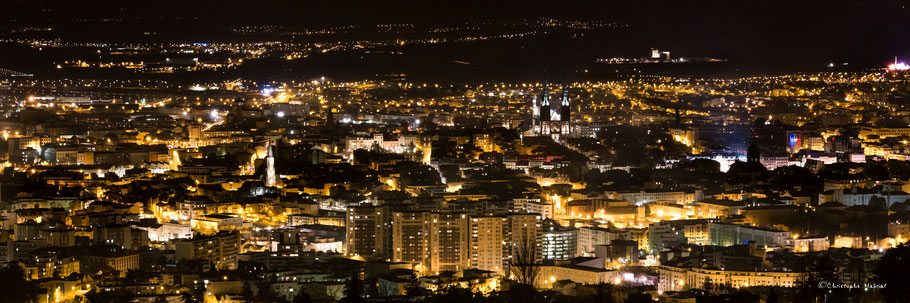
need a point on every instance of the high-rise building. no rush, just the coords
(524, 232)
(368, 232)
(437, 241)
(559, 243)
(496, 241)
(450, 241)
(488, 251)
(410, 237)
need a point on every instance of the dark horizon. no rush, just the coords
(758, 37)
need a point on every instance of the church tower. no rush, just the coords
(545, 100)
(555, 121)
(271, 180)
(564, 108)
(535, 115)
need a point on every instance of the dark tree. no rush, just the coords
(302, 297)
(521, 293)
(14, 288)
(267, 295)
(353, 290)
(413, 289)
(603, 294)
(524, 264)
(822, 270)
(878, 202)
(138, 276)
(246, 292)
(892, 271)
(772, 296)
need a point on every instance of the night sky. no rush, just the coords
(776, 36)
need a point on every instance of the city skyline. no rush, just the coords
(454, 151)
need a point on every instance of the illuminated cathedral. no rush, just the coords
(555, 121)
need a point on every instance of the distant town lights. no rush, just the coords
(898, 66)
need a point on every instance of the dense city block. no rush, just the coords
(147, 167)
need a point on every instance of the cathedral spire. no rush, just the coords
(545, 99)
(565, 90)
(565, 109)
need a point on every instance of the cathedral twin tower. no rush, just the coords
(552, 121)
